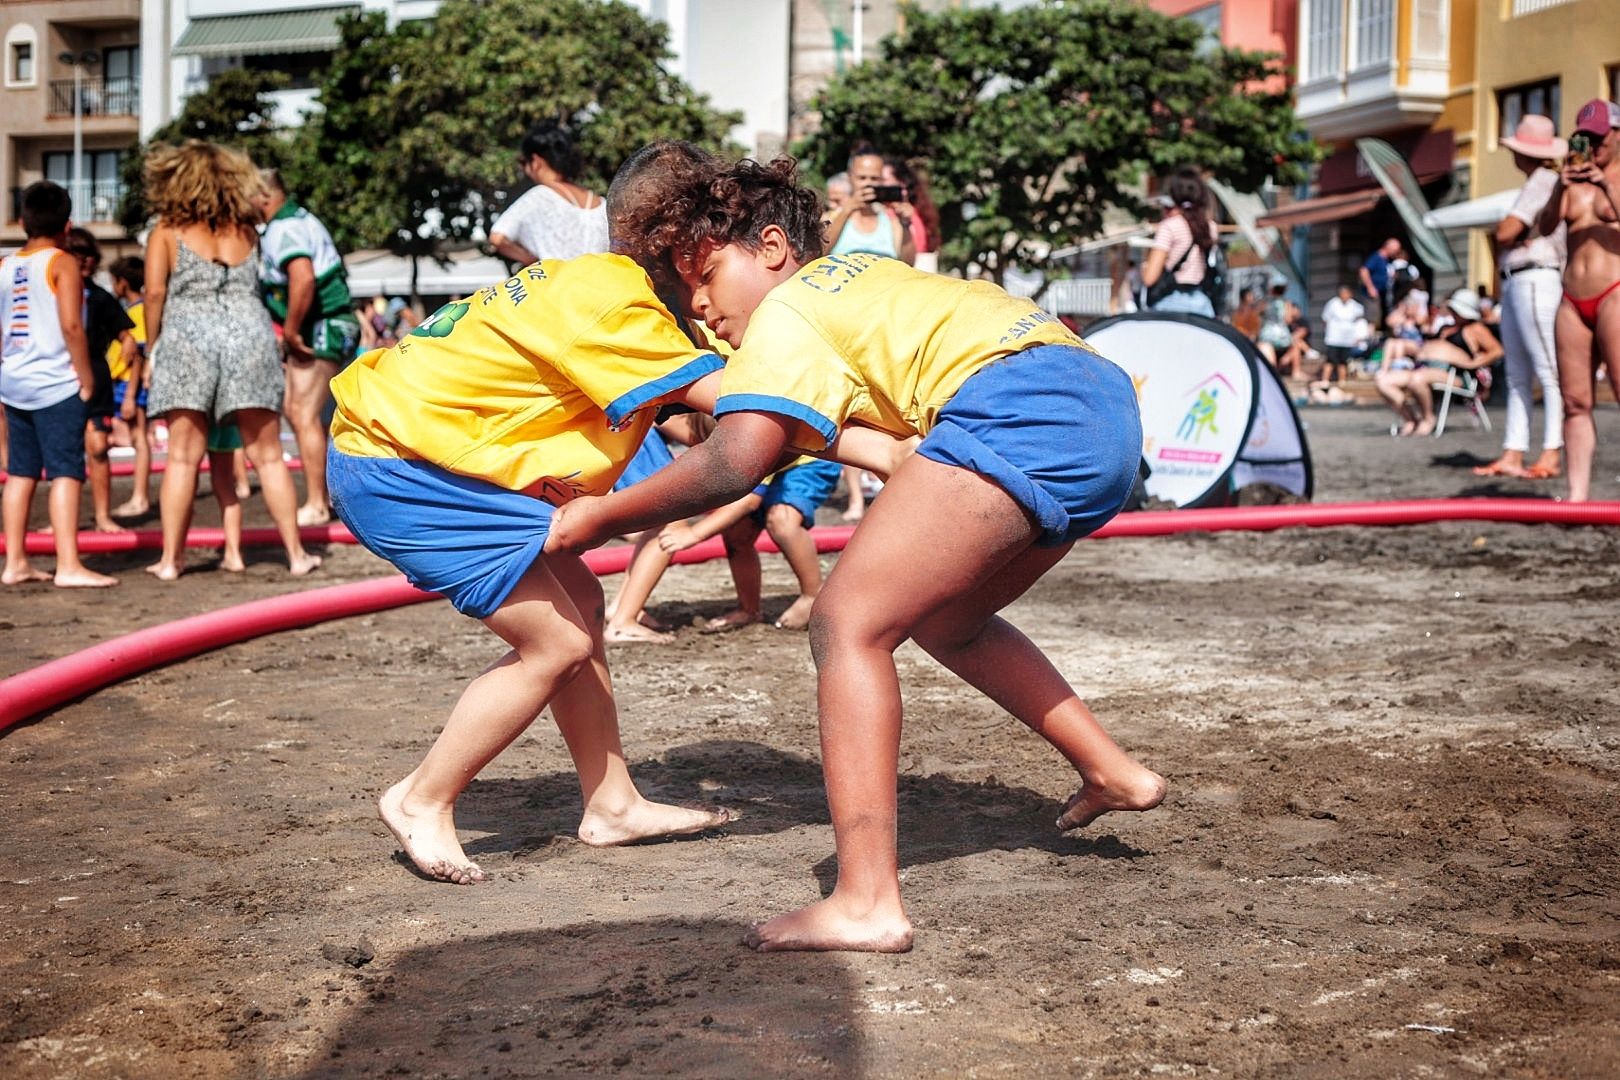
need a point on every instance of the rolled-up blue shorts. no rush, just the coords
(804, 487)
(47, 443)
(466, 539)
(121, 387)
(653, 455)
(1055, 426)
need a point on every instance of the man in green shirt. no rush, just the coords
(308, 297)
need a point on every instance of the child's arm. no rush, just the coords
(134, 361)
(870, 449)
(68, 285)
(679, 536)
(742, 451)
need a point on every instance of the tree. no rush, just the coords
(1032, 122)
(235, 109)
(415, 143)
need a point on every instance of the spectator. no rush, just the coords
(1130, 287)
(1246, 319)
(46, 384)
(1179, 259)
(307, 291)
(839, 191)
(1586, 200)
(1376, 278)
(131, 374)
(918, 206)
(213, 347)
(1276, 341)
(556, 218)
(1341, 334)
(106, 327)
(1417, 300)
(1409, 388)
(866, 223)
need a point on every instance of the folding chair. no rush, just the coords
(1460, 383)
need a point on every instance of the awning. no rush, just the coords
(1326, 208)
(313, 30)
(1485, 212)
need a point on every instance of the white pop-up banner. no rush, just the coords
(1215, 416)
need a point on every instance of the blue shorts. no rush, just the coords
(47, 442)
(466, 539)
(1056, 427)
(121, 387)
(653, 455)
(803, 487)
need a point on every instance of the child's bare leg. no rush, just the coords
(647, 565)
(15, 504)
(70, 572)
(239, 476)
(583, 707)
(551, 644)
(990, 654)
(188, 441)
(857, 495)
(878, 593)
(230, 509)
(140, 499)
(261, 435)
(99, 469)
(743, 559)
(786, 526)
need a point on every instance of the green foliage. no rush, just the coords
(416, 145)
(233, 110)
(1031, 122)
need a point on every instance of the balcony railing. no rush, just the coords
(98, 96)
(93, 200)
(1530, 7)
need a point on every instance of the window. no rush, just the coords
(1209, 18)
(1515, 103)
(22, 56)
(121, 74)
(1614, 82)
(1530, 7)
(1324, 40)
(100, 189)
(1431, 30)
(22, 62)
(1375, 32)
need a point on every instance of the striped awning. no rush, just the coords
(311, 30)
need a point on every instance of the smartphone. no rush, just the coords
(1580, 149)
(888, 193)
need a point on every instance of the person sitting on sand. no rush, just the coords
(1409, 388)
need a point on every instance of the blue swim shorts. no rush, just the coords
(804, 487)
(466, 539)
(653, 455)
(1055, 426)
(47, 442)
(121, 387)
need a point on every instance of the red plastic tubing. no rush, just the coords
(32, 692)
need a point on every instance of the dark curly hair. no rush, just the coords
(671, 199)
(553, 142)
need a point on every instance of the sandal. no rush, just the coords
(1541, 472)
(1501, 468)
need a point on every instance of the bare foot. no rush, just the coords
(1546, 467)
(732, 620)
(1506, 465)
(313, 515)
(108, 525)
(304, 564)
(1407, 428)
(131, 509)
(647, 821)
(1425, 426)
(825, 927)
(797, 616)
(232, 564)
(82, 578)
(164, 571)
(23, 576)
(244, 490)
(854, 513)
(428, 837)
(634, 632)
(1143, 792)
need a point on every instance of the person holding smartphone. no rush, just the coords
(1586, 200)
(868, 222)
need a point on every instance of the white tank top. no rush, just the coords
(36, 370)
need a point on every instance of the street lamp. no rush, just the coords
(78, 61)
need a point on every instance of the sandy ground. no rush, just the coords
(1389, 847)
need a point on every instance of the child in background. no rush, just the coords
(225, 449)
(1340, 318)
(105, 325)
(45, 384)
(129, 373)
(1030, 441)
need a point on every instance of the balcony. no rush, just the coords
(93, 200)
(98, 96)
(1354, 81)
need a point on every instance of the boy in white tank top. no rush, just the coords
(45, 382)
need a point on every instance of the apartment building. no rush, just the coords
(1402, 71)
(70, 97)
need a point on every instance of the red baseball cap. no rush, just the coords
(1597, 117)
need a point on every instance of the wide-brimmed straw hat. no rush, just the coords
(1464, 303)
(1534, 138)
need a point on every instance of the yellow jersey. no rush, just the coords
(539, 383)
(117, 364)
(862, 337)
